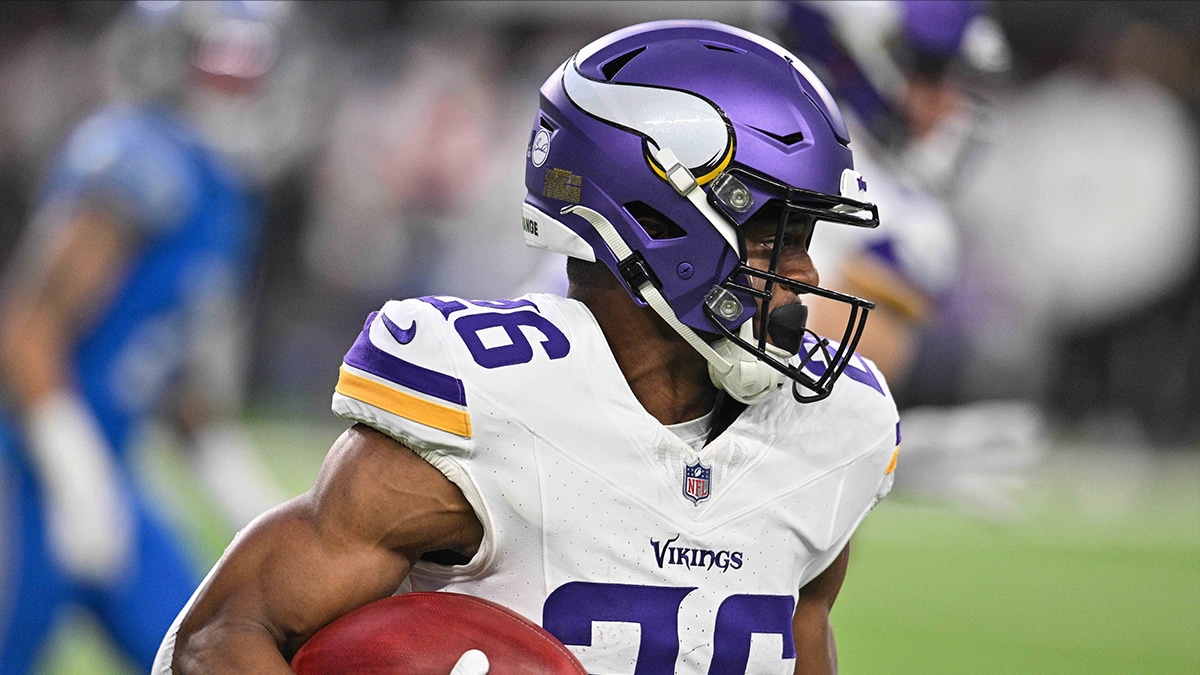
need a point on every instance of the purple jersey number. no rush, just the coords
(572, 608)
(863, 374)
(518, 350)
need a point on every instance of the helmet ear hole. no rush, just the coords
(654, 224)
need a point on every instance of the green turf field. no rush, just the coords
(1071, 587)
(1098, 572)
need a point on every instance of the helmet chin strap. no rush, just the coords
(749, 380)
(739, 373)
(731, 368)
(649, 293)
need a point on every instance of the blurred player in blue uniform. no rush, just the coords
(119, 308)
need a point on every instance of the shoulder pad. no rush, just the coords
(861, 402)
(414, 357)
(401, 371)
(866, 399)
(858, 369)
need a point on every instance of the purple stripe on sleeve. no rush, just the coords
(367, 357)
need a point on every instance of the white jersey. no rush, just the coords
(635, 550)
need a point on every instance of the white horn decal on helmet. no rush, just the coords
(691, 127)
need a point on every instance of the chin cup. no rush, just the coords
(749, 380)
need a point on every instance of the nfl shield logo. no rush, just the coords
(696, 482)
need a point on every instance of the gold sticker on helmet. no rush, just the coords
(563, 185)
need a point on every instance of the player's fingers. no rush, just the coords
(472, 662)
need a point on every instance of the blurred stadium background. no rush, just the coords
(393, 151)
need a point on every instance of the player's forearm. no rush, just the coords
(228, 624)
(57, 287)
(816, 652)
(321, 555)
(282, 579)
(229, 647)
(33, 348)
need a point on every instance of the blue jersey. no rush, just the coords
(197, 228)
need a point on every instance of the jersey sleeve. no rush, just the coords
(401, 378)
(123, 159)
(881, 417)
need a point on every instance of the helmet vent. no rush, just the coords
(545, 123)
(614, 66)
(789, 139)
(654, 224)
(722, 48)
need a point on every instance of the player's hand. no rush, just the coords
(472, 662)
(89, 520)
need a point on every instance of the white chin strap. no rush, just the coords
(731, 368)
(748, 380)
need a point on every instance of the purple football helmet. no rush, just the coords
(699, 125)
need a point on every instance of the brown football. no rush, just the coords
(426, 633)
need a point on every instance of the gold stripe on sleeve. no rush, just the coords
(892, 464)
(452, 420)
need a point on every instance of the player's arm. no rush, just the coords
(63, 275)
(375, 508)
(816, 652)
(65, 272)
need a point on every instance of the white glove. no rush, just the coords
(472, 662)
(979, 456)
(226, 459)
(90, 521)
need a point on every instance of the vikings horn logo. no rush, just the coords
(690, 126)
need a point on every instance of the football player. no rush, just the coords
(896, 69)
(658, 469)
(912, 76)
(118, 309)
